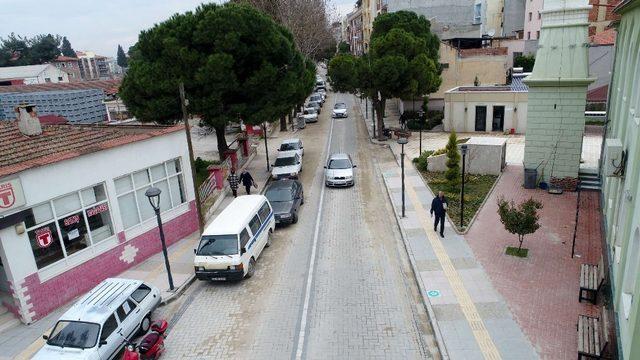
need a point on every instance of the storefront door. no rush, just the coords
(481, 118)
(498, 119)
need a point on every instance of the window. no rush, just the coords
(539, 16)
(538, 34)
(530, 15)
(244, 238)
(254, 224)
(59, 78)
(141, 292)
(528, 35)
(444, 65)
(68, 224)
(477, 13)
(48, 80)
(264, 212)
(125, 309)
(134, 206)
(109, 327)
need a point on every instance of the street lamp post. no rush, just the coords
(464, 155)
(266, 147)
(402, 142)
(153, 194)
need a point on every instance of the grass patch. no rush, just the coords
(514, 251)
(201, 170)
(476, 188)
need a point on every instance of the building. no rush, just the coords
(602, 15)
(601, 50)
(487, 108)
(69, 218)
(70, 66)
(93, 66)
(81, 106)
(354, 31)
(32, 74)
(532, 19)
(621, 192)
(513, 18)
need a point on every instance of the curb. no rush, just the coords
(416, 274)
(176, 294)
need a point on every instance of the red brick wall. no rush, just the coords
(47, 296)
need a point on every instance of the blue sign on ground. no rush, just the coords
(433, 293)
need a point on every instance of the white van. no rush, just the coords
(230, 246)
(99, 324)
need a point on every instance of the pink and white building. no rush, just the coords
(532, 19)
(73, 210)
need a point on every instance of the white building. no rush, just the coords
(73, 210)
(32, 74)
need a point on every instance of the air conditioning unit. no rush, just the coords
(613, 157)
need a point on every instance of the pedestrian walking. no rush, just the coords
(233, 182)
(247, 181)
(439, 208)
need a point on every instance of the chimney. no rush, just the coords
(28, 121)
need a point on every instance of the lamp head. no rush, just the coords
(464, 149)
(403, 141)
(153, 193)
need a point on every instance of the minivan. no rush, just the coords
(231, 245)
(101, 322)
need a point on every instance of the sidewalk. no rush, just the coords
(23, 341)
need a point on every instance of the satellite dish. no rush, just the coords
(491, 32)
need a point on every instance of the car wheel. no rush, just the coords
(269, 240)
(295, 218)
(252, 268)
(145, 325)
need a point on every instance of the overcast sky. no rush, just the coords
(99, 26)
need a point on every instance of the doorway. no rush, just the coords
(498, 119)
(481, 118)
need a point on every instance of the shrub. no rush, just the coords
(453, 161)
(422, 161)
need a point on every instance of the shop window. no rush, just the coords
(68, 224)
(134, 205)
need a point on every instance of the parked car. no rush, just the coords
(339, 111)
(317, 98)
(322, 92)
(339, 170)
(285, 197)
(293, 146)
(102, 321)
(310, 115)
(314, 104)
(320, 85)
(287, 165)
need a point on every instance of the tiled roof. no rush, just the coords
(21, 72)
(52, 119)
(108, 86)
(62, 142)
(598, 94)
(607, 37)
(65, 58)
(517, 84)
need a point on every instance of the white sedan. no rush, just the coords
(288, 165)
(340, 111)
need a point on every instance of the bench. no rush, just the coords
(593, 336)
(591, 279)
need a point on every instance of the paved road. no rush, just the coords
(358, 300)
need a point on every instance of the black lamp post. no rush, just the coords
(266, 147)
(402, 142)
(464, 155)
(153, 193)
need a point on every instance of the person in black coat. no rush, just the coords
(439, 207)
(247, 181)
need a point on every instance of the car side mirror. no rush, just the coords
(194, 251)
(325, 167)
(46, 337)
(243, 250)
(301, 147)
(354, 166)
(102, 342)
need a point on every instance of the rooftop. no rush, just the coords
(235, 216)
(19, 152)
(108, 86)
(598, 94)
(21, 72)
(607, 37)
(517, 85)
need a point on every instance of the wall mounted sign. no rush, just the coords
(97, 209)
(43, 237)
(11, 195)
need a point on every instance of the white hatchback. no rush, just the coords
(339, 171)
(292, 146)
(287, 166)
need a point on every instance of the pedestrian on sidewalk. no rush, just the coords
(233, 182)
(247, 181)
(439, 207)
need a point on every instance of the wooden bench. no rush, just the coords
(591, 279)
(593, 336)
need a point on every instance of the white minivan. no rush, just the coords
(230, 246)
(101, 322)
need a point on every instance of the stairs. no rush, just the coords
(7, 319)
(589, 180)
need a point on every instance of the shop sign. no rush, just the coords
(97, 209)
(44, 237)
(73, 219)
(11, 195)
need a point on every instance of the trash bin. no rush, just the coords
(530, 177)
(301, 123)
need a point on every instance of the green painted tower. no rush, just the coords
(558, 91)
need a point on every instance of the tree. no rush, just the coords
(453, 161)
(66, 48)
(234, 61)
(520, 220)
(344, 48)
(16, 50)
(121, 59)
(402, 62)
(526, 62)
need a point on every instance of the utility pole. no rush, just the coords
(266, 148)
(187, 129)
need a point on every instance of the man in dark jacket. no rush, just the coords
(247, 181)
(439, 207)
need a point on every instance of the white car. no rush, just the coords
(339, 171)
(102, 321)
(287, 166)
(317, 98)
(292, 146)
(339, 111)
(310, 115)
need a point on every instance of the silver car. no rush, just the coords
(339, 170)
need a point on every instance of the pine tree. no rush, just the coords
(453, 161)
(121, 58)
(66, 48)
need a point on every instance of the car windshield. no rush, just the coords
(75, 334)
(310, 111)
(279, 195)
(289, 147)
(218, 245)
(285, 161)
(315, 97)
(339, 164)
(340, 106)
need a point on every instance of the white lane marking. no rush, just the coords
(307, 291)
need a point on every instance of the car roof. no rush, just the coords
(337, 156)
(290, 141)
(235, 216)
(102, 301)
(286, 154)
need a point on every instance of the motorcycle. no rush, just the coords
(151, 346)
